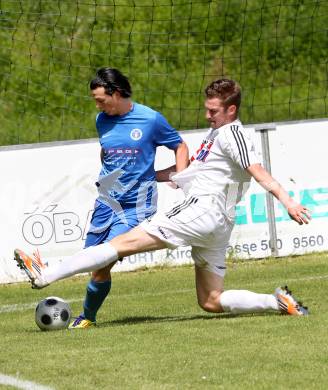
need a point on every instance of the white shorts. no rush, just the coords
(199, 222)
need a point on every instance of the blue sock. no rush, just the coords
(95, 296)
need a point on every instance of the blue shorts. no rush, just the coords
(105, 224)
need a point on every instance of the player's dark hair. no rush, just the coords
(112, 80)
(227, 90)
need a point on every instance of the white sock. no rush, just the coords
(243, 301)
(86, 260)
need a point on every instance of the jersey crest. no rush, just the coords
(203, 151)
(136, 134)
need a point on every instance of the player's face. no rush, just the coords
(106, 103)
(217, 114)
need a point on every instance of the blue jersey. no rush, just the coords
(127, 177)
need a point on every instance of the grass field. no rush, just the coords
(152, 335)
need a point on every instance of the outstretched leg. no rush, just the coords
(135, 241)
(212, 297)
(94, 258)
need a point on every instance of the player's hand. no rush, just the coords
(299, 214)
(173, 185)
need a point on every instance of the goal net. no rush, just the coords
(169, 49)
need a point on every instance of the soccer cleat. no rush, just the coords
(288, 304)
(81, 322)
(33, 266)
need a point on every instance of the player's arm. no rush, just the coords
(181, 157)
(181, 162)
(296, 211)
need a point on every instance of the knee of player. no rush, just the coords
(102, 275)
(205, 305)
(210, 303)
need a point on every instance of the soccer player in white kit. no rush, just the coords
(217, 177)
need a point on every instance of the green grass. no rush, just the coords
(152, 335)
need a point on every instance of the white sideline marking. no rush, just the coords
(21, 384)
(28, 306)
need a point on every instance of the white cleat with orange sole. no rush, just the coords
(288, 304)
(33, 267)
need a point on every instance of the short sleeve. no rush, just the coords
(240, 146)
(99, 122)
(165, 134)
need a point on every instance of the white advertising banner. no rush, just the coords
(298, 161)
(47, 195)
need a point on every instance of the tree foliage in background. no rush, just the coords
(170, 50)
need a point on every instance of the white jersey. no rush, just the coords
(218, 167)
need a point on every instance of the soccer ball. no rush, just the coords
(52, 313)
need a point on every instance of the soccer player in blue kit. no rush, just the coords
(129, 134)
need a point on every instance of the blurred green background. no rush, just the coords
(169, 49)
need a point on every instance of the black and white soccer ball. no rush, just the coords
(52, 313)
